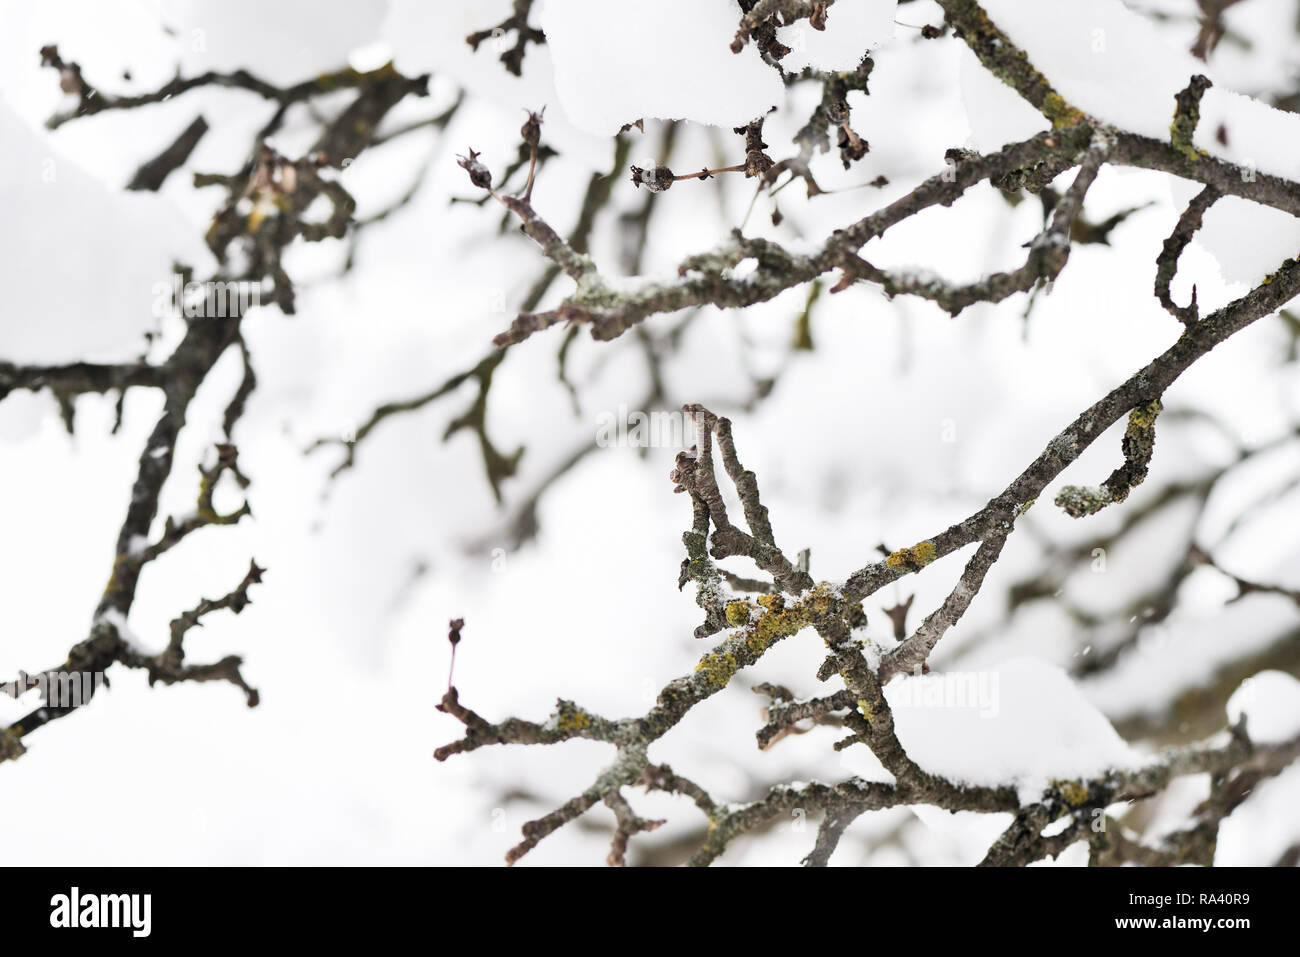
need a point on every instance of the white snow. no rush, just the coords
(74, 290)
(118, 621)
(1186, 650)
(1102, 57)
(1023, 722)
(282, 42)
(617, 63)
(427, 37)
(1270, 703)
(1115, 64)
(852, 27)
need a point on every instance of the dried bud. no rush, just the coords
(656, 180)
(531, 131)
(817, 19)
(70, 79)
(479, 174)
(453, 633)
(852, 147)
(931, 32)
(753, 134)
(757, 163)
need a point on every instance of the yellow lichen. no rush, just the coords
(776, 624)
(911, 559)
(206, 489)
(1074, 792)
(718, 667)
(821, 598)
(737, 613)
(570, 721)
(118, 563)
(1268, 280)
(1145, 417)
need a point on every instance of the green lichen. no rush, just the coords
(1182, 145)
(11, 745)
(1138, 446)
(1187, 114)
(1061, 113)
(1080, 500)
(1271, 277)
(350, 77)
(1011, 65)
(856, 615)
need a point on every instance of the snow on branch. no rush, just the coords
(273, 201)
(755, 625)
(752, 623)
(265, 211)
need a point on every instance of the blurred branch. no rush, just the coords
(264, 212)
(517, 23)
